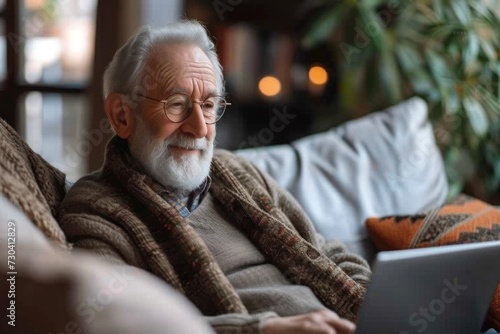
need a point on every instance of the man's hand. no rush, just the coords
(321, 322)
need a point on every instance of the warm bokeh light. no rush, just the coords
(34, 4)
(269, 86)
(318, 75)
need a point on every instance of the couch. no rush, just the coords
(382, 164)
(386, 163)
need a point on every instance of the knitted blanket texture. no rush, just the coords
(31, 183)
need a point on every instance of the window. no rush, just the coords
(46, 58)
(58, 41)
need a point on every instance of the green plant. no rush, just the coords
(446, 51)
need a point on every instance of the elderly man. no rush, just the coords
(209, 224)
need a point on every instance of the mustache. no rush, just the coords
(187, 142)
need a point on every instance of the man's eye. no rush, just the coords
(208, 105)
(176, 105)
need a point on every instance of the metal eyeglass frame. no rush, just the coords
(225, 104)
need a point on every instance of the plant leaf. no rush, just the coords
(488, 50)
(369, 4)
(374, 28)
(324, 26)
(471, 51)
(477, 116)
(348, 88)
(441, 30)
(409, 58)
(439, 68)
(438, 8)
(423, 84)
(491, 102)
(389, 73)
(461, 11)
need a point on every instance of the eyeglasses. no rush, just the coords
(177, 107)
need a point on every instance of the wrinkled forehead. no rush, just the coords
(173, 62)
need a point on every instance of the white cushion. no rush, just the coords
(385, 163)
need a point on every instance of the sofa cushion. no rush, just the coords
(465, 220)
(384, 163)
(77, 293)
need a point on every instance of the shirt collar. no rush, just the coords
(189, 201)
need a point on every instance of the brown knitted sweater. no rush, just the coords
(116, 213)
(31, 183)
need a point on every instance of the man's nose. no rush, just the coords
(195, 123)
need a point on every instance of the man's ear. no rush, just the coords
(120, 115)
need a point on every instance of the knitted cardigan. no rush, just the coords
(115, 212)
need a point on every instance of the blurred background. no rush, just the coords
(292, 68)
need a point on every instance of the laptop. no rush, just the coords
(437, 290)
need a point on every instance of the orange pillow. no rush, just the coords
(465, 220)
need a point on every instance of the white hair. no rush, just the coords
(126, 72)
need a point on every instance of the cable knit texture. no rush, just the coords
(116, 213)
(31, 183)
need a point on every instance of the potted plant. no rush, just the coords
(445, 51)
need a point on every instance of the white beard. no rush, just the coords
(184, 173)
